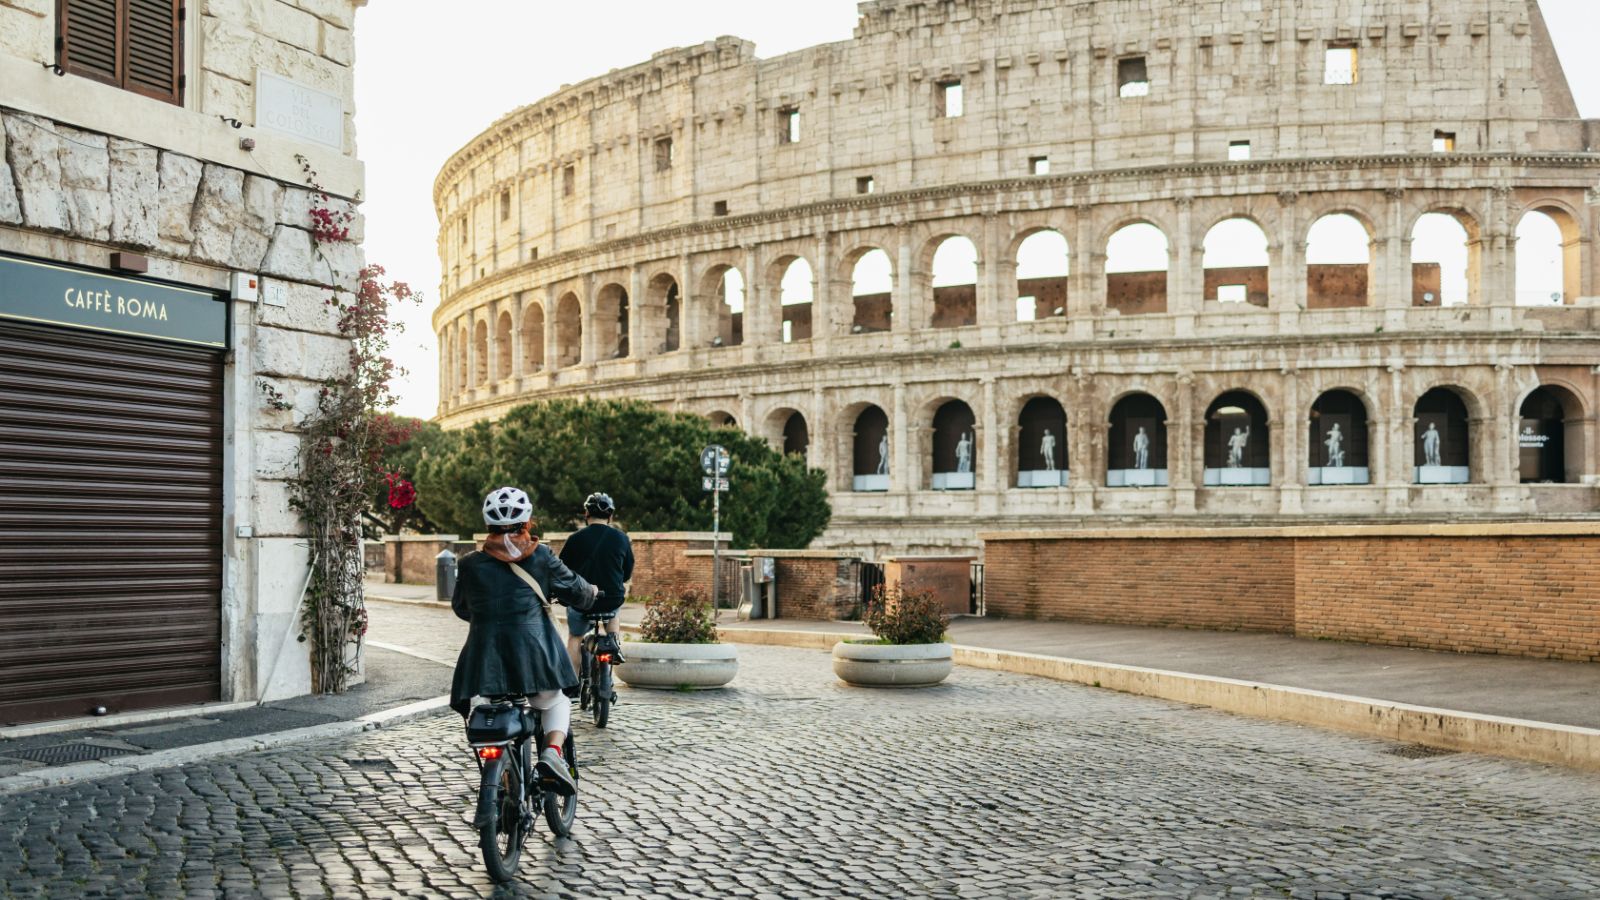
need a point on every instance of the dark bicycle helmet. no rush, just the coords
(599, 506)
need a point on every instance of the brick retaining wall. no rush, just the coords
(1514, 589)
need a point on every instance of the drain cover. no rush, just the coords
(1419, 751)
(68, 753)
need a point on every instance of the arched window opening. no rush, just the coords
(1549, 434)
(1337, 444)
(502, 347)
(795, 292)
(870, 451)
(954, 450)
(480, 354)
(1441, 261)
(611, 322)
(662, 315)
(569, 331)
(1042, 444)
(1236, 449)
(872, 293)
(1443, 447)
(532, 339)
(796, 437)
(1137, 451)
(726, 285)
(1547, 258)
(1236, 263)
(1338, 263)
(722, 419)
(1136, 270)
(462, 381)
(1043, 263)
(955, 283)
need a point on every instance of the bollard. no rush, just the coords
(444, 576)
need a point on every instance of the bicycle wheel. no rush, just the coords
(501, 836)
(602, 693)
(560, 812)
(585, 683)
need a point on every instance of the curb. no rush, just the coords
(1544, 742)
(182, 756)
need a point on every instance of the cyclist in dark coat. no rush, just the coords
(513, 646)
(603, 554)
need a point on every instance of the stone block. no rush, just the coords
(217, 210)
(10, 207)
(273, 514)
(285, 22)
(258, 218)
(33, 150)
(293, 354)
(180, 181)
(292, 256)
(338, 45)
(86, 179)
(135, 184)
(277, 454)
(339, 12)
(306, 309)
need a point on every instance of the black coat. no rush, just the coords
(604, 556)
(512, 647)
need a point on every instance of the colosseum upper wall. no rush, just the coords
(692, 231)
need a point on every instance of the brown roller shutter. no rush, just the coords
(133, 44)
(110, 523)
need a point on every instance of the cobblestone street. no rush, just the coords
(795, 786)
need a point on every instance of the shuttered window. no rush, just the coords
(133, 44)
(110, 523)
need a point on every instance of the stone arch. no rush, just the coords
(953, 446)
(1042, 257)
(533, 338)
(1339, 273)
(788, 431)
(870, 272)
(480, 353)
(1134, 283)
(1041, 454)
(504, 346)
(663, 314)
(1238, 445)
(1446, 257)
(723, 288)
(1443, 451)
(1549, 263)
(463, 375)
(951, 262)
(870, 453)
(1338, 438)
(1237, 262)
(610, 322)
(721, 418)
(1550, 435)
(1136, 449)
(569, 331)
(794, 284)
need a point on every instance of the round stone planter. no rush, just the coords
(673, 667)
(891, 665)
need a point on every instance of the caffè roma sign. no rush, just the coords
(35, 291)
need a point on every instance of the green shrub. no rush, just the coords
(905, 617)
(685, 619)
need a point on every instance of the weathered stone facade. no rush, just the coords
(87, 169)
(585, 241)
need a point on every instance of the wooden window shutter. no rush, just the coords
(133, 44)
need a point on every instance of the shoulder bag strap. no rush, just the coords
(532, 582)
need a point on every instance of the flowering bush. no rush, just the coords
(401, 492)
(685, 619)
(905, 617)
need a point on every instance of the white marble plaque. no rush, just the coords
(303, 112)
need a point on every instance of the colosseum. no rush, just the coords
(1012, 264)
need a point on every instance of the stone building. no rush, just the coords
(157, 272)
(1152, 318)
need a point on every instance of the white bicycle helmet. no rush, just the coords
(507, 506)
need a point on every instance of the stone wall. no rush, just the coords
(1513, 589)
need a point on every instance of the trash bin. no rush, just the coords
(444, 576)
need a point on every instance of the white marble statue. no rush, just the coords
(1141, 449)
(1047, 449)
(1430, 446)
(1236, 445)
(883, 454)
(1335, 445)
(964, 454)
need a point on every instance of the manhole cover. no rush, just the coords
(373, 765)
(68, 753)
(1418, 751)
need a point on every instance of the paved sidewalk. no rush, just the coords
(1564, 693)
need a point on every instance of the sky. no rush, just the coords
(429, 79)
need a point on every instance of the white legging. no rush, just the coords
(555, 709)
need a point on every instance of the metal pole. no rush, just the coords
(716, 546)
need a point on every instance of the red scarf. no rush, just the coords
(509, 548)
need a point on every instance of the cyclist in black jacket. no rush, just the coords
(603, 556)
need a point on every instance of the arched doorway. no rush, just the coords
(1442, 263)
(1236, 263)
(955, 283)
(1543, 436)
(611, 322)
(1237, 450)
(480, 354)
(954, 450)
(1042, 444)
(872, 293)
(1337, 444)
(1338, 263)
(795, 293)
(1548, 261)
(569, 331)
(722, 419)
(1136, 270)
(663, 313)
(870, 450)
(502, 347)
(1043, 263)
(1442, 438)
(796, 436)
(1137, 455)
(532, 339)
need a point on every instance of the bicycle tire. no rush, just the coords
(585, 683)
(501, 838)
(561, 812)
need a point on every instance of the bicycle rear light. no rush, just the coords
(605, 657)
(491, 752)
